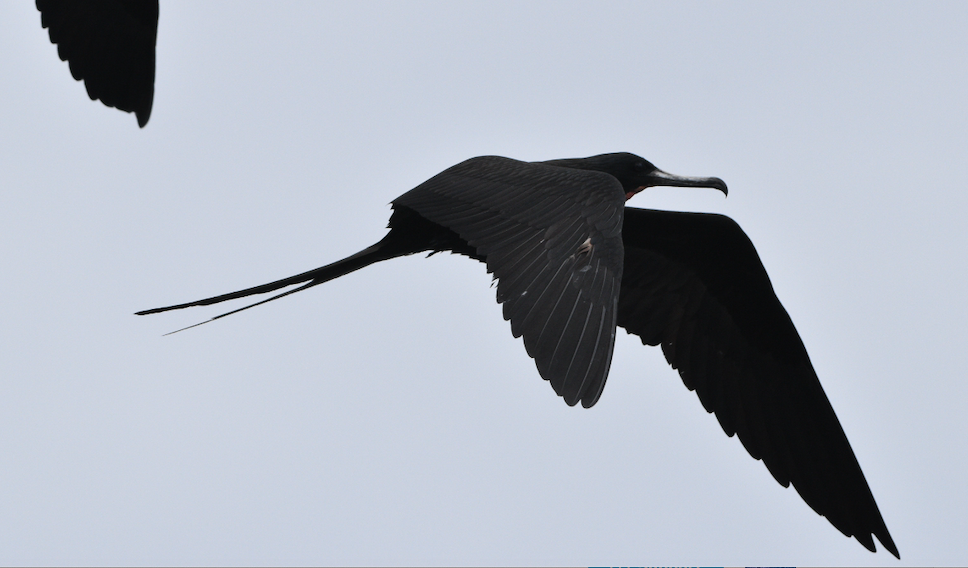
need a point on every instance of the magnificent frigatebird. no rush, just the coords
(110, 45)
(572, 262)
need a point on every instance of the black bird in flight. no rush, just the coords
(110, 45)
(572, 262)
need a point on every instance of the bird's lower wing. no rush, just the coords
(110, 45)
(551, 237)
(694, 284)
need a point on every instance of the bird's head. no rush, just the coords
(636, 174)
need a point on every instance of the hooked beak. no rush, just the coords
(659, 177)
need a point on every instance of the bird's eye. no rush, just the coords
(638, 166)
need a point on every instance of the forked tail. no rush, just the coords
(376, 253)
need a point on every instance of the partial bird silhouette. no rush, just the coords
(110, 45)
(572, 262)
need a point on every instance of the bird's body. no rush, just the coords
(110, 45)
(572, 263)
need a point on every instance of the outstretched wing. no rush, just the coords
(552, 238)
(694, 284)
(110, 45)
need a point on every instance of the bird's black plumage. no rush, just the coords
(110, 45)
(694, 284)
(573, 263)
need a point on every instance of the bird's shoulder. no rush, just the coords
(539, 175)
(535, 193)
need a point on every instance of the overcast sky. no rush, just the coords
(390, 417)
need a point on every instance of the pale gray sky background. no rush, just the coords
(389, 417)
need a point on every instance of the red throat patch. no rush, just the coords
(629, 194)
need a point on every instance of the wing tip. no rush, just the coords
(888, 543)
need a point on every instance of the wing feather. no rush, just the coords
(110, 45)
(694, 284)
(551, 236)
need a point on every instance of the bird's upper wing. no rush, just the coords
(110, 45)
(694, 284)
(552, 238)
